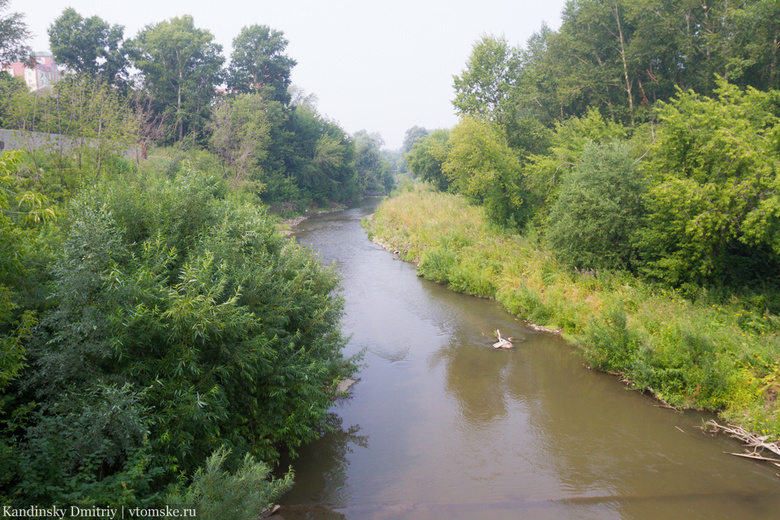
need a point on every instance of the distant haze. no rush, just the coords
(379, 66)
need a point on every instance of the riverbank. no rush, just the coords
(286, 225)
(721, 357)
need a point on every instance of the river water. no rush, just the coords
(442, 426)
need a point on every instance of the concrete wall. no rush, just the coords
(22, 140)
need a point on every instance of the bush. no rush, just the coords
(190, 308)
(608, 343)
(242, 495)
(595, 221)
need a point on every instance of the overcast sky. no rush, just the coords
(382, 67)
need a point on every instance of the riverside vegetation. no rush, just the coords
(617, 180)
(161, 343)
(710, 354)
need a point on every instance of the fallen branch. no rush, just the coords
(758, 443)
(755, 456)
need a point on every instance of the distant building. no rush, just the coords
(43, 74)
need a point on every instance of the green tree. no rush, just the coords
(243, 495)
(427, 157)
(181, 67)
(321, 157)
(592, 52)
(10, 88)
(89, 46)
(481, 165)
(13, 35)
(373, 169)
(17, 312)
(484, 87)
(596, 219)
(714, 198)
(91, 125)
(546, 173)
(536, 93)
(411, 136)
(756, 57)
(258, 63)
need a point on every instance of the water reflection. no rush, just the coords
(325, 488)
(452, 428)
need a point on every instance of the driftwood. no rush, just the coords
(758, 443)
(504, 343)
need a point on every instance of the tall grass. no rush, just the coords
(721, 357)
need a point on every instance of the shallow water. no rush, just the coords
(441, 425)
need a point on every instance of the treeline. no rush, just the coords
(639, 137)
(160, 342)
(265, 133)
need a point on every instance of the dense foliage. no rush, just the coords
(179, 322)
(680, 101)
(595, 221)
(89, 46)
(13, 36)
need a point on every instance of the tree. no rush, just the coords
(89, 46)
(258, 63)
(10, 88)
(373, 169)
(592, 53)
(320, 156)
(483, 88)
(181, 67)
(715, 198)
(595, 221)
(240, 135)
(482, 166)
(411, 136)
(16, 319)
(756, 58)
(90, 123)
(13, 34)
(427, 156)
(536, 93)
(546, 173)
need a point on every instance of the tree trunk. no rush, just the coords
(625, 64)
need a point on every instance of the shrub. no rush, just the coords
(195, 310)
(608, 343)
(242, 495)
(594, 223)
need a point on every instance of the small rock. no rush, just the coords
(344, 386)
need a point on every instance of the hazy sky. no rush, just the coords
(383, 67)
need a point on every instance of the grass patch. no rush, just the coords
(721, 356)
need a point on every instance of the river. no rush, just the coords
(441, 425)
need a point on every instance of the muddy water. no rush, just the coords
(441, 425)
